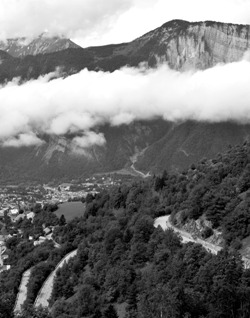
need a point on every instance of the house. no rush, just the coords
(30, 215)
(19, 217)
(14, 211)
(47, 231)
(41, 240)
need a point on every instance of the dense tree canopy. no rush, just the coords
(124, 262)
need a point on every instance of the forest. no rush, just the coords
(125, 267)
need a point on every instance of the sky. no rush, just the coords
(81, 102)
(96, 22)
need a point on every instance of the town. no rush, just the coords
(21, 202)
(16, 198)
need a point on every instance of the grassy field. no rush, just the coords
(70, 210)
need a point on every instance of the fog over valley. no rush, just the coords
(81, 102)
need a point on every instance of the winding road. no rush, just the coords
(45, 292)
(22, 293)
(164, 223)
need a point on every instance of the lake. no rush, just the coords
(70, 210)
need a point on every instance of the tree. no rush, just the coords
(62, 220)
(31, 312)
(110, 312)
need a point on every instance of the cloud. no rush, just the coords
(88, 139)
(96, 22)
(145, 15)
(81, 103)
(62, 17)
(23, 140)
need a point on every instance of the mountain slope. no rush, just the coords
(188, 142)
(43, 44)
(157, 144)
(58, 158)
(163, 145)
(181, 44)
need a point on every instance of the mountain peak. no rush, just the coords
(20, 47)
(176, 22)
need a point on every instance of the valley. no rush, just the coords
(125, 236)
(164, 145)
(125, 175)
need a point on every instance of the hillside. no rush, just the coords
(123, 261)
(156, 145)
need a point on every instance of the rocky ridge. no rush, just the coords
(43, 44)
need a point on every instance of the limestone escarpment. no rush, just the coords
(198, 45)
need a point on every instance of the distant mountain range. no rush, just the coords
(157, 144)
(181, 44)
(44, 44)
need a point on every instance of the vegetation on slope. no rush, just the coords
(123, 260)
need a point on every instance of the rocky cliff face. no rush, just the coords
(198, 45)
(160, 145)
(181, 44)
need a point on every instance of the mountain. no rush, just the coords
(4, 56)
(198, 45)
(141, 146)
(58, 158)
(43, 44)
(190, 141)
(146, 146)
(181, 44)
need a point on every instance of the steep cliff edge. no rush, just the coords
(181, 44)
(197, 45)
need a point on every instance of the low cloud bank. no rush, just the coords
(79, 103)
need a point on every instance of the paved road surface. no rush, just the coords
(164, 222)
(46, 290)
(22, 293)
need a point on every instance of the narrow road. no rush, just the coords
(164, 222)
(22, 293)
(45, 292)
